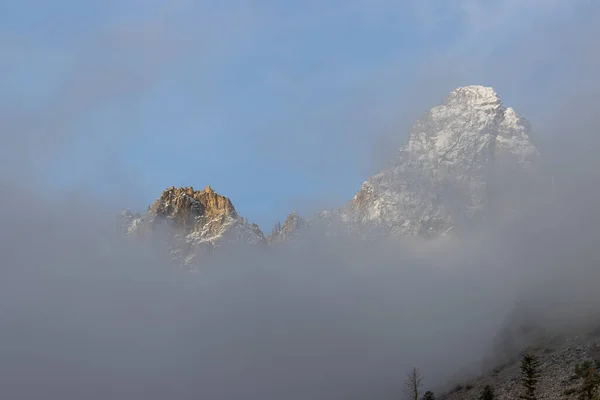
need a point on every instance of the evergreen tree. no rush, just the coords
(530, 374)
(487, 393)
(428, 396)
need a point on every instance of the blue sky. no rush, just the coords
(279, 105)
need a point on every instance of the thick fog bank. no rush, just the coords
(86, 313)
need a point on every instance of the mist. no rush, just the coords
(88, 313)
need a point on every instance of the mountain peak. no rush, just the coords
(471, 99)
(478, 93)
(184, 204)
(449, 175)
(479, 90)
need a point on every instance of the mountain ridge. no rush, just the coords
(466, 159)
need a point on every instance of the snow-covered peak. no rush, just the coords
(473, 96)
(448, 174)
(457, 123)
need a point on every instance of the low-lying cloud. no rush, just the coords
(86, 313)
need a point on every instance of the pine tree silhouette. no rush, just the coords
(529, 376)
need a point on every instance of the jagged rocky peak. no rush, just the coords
(464, 159)
(471, 112)
(291, 227)
(197, 221)
(474, 96)
(188, 208)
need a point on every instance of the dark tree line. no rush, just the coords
(587, 372)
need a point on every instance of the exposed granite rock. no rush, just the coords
(190, 210)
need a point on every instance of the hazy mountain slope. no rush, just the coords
(558, 359)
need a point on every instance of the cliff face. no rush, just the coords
(196, 222)
(190, 210)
